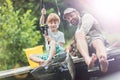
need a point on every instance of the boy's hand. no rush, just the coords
(48, 38)
(43, 11)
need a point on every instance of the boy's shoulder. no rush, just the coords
(60, 32)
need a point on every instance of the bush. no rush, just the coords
(17, 32)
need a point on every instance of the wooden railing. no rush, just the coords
(13, 72)
(27, 69)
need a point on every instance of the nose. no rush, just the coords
(69, 19)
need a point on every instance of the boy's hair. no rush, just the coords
(53, 17)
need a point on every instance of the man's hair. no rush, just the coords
(53, 17)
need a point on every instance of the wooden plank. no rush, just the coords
(12, 72)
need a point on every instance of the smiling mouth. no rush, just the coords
(74, 22)
(53, 27)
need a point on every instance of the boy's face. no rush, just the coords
(73, 18)
(53, 25)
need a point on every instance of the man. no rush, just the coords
(88, 36)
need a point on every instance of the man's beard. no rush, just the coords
(75, 21)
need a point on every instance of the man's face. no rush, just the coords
(73, 18)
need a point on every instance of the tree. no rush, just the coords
(17, 32)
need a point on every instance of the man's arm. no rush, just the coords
(71, 47)
(87, 22)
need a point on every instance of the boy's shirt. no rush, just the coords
(57, 36)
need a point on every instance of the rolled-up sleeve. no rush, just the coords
(87, 22)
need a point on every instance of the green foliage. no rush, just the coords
(18, 28)
(69, 33)
(17, 32)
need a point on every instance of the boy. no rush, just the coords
(54, 40)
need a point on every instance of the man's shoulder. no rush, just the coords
(87, 15)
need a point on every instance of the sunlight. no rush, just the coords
(108, 12)
(107, 8)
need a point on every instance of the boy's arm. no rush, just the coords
(42, 18)
(48, 38)
(61, 40)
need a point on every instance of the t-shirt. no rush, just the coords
(90, 26)
(56, 36)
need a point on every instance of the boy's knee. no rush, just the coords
(52, 42)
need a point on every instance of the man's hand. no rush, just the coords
(71, 50)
